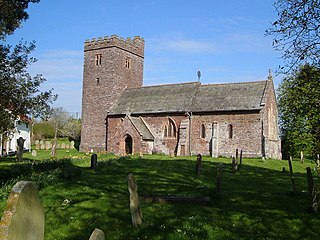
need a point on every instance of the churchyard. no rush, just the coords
(178, 198)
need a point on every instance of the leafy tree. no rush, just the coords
(72, 129)
(299, 105)
(20, 94)
(297, 32)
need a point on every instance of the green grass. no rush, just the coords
(256, 202)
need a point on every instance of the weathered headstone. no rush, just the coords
(291, 175)
(63, 145)
(219, 177)
(301, 157)
(234, 164)
(41, 142)
(94, 161)
(24, 216)
(48, 145)
(136, 214)
(97, 234)
(72, 145)
(58, 145)
(42, 147)
(34, 153)
(198, 164)
(314, 196)
(20, 143)
(37, 146)
(36, 142)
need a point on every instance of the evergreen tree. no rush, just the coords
(299, 105)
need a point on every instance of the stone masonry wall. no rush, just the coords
(246, 134)
(104, 83)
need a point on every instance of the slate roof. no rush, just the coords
(191, 97)
(142, 128)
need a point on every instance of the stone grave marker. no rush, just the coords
(136, 214)
(42, 147)
(97, 234)
(198, 164)
(34, 153)
(24, 216)
(63, 145)
(219, 177)
(37, 142)
(48, 145)
(37, 146)
(94, 161)
(58, 145)
(41, 142)
(72, 145)
(20, 143)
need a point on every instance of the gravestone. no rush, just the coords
(63, 145)
(42, 147)
(97, 234)
(24, 216)
(291, 175)
(234, 164)
(37, 142)
(94, 161)
(136, 214)
(198, 164)
(34, 153)
(219, 177)
(72, 145)
(37, 146)
(58, 145)
(48, 145)
(20, 143)
(41, 142)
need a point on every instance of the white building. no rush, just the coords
(22, 128)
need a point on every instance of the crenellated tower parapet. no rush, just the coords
(135, 45)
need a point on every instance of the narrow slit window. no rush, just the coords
(203, 131)
(98, 81)
(230, 131)
(98, 59)
(128, 63)
(165, 131)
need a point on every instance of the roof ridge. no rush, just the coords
(233, 83)
(166, 84)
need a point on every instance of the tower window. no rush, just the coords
(98, 59)
(98, 81)
(128, 63)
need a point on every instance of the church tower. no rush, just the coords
(111, 64)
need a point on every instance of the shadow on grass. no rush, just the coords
(255, 203)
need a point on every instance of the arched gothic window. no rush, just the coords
(170, 129)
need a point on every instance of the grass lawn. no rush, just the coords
(255, 203)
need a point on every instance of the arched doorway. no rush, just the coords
(128, 144)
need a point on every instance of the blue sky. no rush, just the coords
(223, 39)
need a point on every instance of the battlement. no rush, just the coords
(135, 45)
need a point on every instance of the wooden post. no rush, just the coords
(241, 157)
(291, 175)
(237, 154)
(198, 164)
(94, 161)
(136, 214)
(219, 177)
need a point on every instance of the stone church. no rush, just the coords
(122, 116)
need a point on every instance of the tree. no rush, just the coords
(297, 32)
(59, 117)
(20, 94)
(299, 105)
